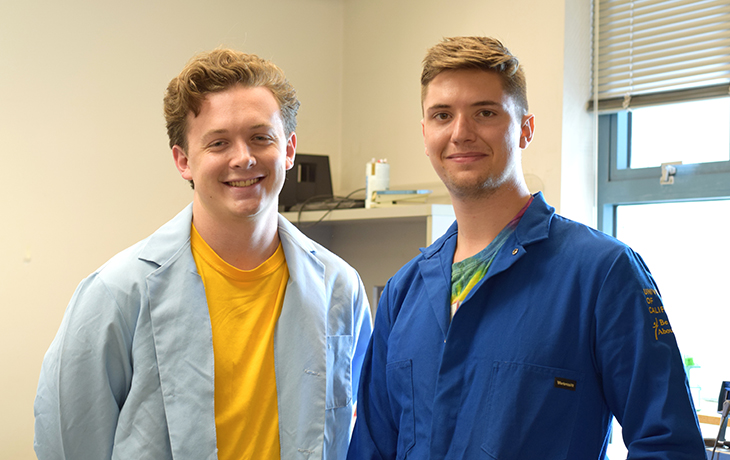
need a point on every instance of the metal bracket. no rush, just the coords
(668, 172)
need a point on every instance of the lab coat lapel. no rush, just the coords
(183, 340)
(184, 348)
(534, 226)
(300, 349)
(436, 272)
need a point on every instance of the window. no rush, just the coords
(682, 230)
(662, 94)
(688, 132)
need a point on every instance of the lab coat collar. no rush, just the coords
(534, 226)
(535, 223)
(169, 239)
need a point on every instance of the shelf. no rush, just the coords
(711, 419)
(385, 212)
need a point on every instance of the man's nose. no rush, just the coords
(242, 156)
(463, 129)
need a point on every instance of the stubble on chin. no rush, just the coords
(473, 190)
(484, 185)
(469, 188)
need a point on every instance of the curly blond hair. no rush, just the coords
(218, 70)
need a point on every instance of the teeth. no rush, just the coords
(244, 183)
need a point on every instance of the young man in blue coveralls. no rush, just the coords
(518, 334)
(227, 334)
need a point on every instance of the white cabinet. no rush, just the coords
(376, 241)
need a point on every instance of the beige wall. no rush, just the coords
(578, 160)
(385, 42)
(85, 166)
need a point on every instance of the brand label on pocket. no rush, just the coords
(565, 384)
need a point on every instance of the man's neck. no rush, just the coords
(481, 219)
(245, 243)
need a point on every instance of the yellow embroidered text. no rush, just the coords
(661, 327)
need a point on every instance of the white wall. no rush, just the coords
(85, 166)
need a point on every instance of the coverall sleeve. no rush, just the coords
(85, 376)
(643, 375)
(375, 433)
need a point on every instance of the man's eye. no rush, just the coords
(486, 113)
(441, 116)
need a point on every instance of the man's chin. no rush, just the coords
(472, 189)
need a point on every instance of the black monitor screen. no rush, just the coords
(308, 179)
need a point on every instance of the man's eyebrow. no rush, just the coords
(257, 126)
(262, 125)
(215, 131)
(438, 106)
(212, 133)
(486, 103)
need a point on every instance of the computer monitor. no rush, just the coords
(307, 180)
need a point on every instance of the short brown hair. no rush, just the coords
(218, 70)
(481, 53)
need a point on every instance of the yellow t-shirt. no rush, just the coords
(244, 306)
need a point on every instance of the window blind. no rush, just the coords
(658, 51)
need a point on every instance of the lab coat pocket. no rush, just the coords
(339, 371)
(531, 411)
(399, 377)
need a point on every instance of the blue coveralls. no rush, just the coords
(566, 329)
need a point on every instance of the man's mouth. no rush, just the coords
(244, 183)
(466, 156)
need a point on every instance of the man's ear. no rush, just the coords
(291, 150)
(423, 132)
(181, 162)
(527, 130)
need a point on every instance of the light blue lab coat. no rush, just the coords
(130, 374)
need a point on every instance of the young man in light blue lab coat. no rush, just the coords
(519, 334)
(227, 333)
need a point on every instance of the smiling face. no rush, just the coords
(474, 133)
(237, 155)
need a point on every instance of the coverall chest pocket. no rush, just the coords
(339, 371)
(399, 377)
(525, 399)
